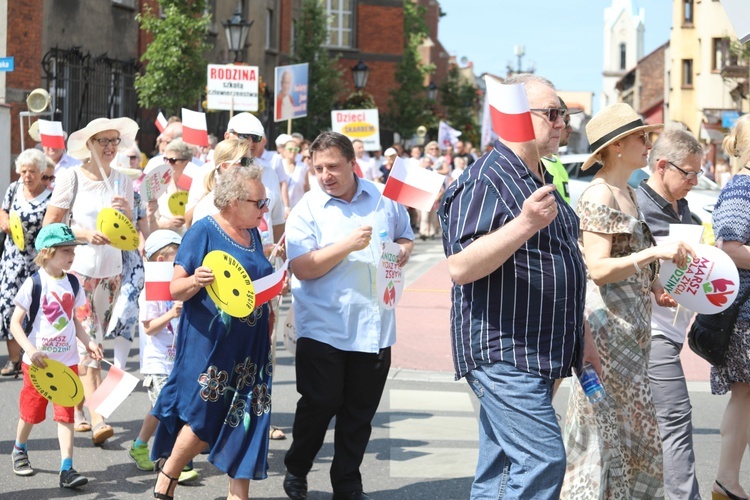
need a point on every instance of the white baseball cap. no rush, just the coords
(159, 239)
(283, 139)
(245, 123)
(390, 152)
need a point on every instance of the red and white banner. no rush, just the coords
(413, 186)
(112, 392)
(190, 172)
(161, 122)
(509, 109)
(447, 135)
(194, 128)
(51, 134)
(158, 277)
(269, 286)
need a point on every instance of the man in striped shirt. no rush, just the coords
(517, 319)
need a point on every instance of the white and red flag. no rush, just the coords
(51, 134)
(413, 186)
(269, 286)
(190, 172)
(112, 392)
(161, 122)
(509, 109)
(194, 128)
(158, 277)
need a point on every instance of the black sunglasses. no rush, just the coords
(260, 203)
(172, 161)
(252, 137)
(695, 174)
(132, 158)
(552, 113)
(243, 162)
(48, 177)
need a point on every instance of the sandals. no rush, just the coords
(102, 432)
(11, 368)
(727, 494)
(164, 496)
(81, 424)
(276, 434)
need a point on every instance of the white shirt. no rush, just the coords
(54, 331)
(367, 166)
(158, 350)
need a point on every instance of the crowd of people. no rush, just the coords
(540, 290)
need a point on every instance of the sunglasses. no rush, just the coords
(293, 149)
(252, 137)
(260, 203)
(172, 161)
(242, 162)
(132, 158)
(104, 142)
(48, 177)
(552, 113)
(689, 176)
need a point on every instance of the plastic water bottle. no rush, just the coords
(266, 238)
(591, 384)
(384, 238)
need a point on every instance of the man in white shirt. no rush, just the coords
(366, 165)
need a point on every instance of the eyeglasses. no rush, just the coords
(695, 174)
(103, 142)
(48, 177)
(296, 150)
(307, 157)
(242, 162)
(260, 203)
(252, 137)
(552, 113)
(132, 158)
(172, 161)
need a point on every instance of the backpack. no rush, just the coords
(36, 295)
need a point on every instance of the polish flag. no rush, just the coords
(413, 186)
(51, 134)
(161, 122)
(269, 286)
(190, 172)
(194, 128)
(112, 392)
(509, 109)
(158, 277)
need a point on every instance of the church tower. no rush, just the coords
(623, 45)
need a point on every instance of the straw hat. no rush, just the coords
(610, 124)
(77, 140)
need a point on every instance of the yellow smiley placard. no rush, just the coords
(57, 383)
(177, 202)
(16, 230)
(232, 290)
(118, 228)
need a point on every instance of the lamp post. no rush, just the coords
(360, 73)
(432, 91)
(236, 30)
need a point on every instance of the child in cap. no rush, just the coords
(51, 334)
(158, 326)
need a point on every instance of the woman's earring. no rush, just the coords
(619, 155)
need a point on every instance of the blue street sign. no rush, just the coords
(6, 63)
(728, 118)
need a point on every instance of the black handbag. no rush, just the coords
(709, 335)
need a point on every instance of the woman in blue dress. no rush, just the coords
(218, 396)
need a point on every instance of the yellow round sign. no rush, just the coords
(118, 228)
(57, 383)
(232, 290)
(16, 230)
(177, 202)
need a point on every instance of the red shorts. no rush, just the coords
(34, 406)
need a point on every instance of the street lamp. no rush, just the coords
(360, 73)
(432, 91)
(236, 30)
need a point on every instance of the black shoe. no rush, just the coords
(11, 368)
(351, 495)
(295, 487)
(69, 478)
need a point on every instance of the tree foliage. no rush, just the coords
(461, 104)
(175, 65)
(408, 105)
(325, 80)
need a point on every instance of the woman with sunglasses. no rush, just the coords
(178, 155)
(80, 194)
(27, 197)
(614, 447)
(217, 399)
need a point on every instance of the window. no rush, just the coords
(270, 30)
(340, 13)
(622, 56)
(687, 11)
(687, 73)
(720, 51)
(125, 3)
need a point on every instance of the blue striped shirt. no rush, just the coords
(529, 311)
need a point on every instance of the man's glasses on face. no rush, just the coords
(689, 176)
(172, 161)
(552, 113)
(48, 178)
(252, 137)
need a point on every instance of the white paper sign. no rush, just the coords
(390, 276)
(362, 124)
(155, 182)
(232, 87)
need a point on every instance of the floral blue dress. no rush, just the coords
(221, 381)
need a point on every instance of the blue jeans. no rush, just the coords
(521, 452)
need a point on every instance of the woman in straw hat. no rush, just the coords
(613, 447)
(732, 226)
(80, 194)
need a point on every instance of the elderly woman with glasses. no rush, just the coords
(178, 154)
(80, 194)
(218, 396)
(27, 199)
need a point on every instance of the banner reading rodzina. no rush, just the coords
(362, 124)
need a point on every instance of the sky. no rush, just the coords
(562, 38)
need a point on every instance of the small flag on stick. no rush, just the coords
(413, 186)
(158, 277)
(509, 109)
(194, 128)
(51, 134)
(112, 392)
(161, 122)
